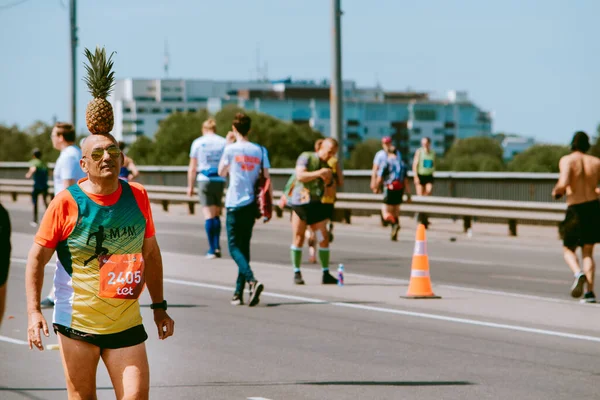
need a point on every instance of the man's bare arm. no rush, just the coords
(563, 179)
(305, 176)
(34, 278)
(192, 172)
(31, 171)
(374, 183)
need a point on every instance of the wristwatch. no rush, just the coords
(162, 305)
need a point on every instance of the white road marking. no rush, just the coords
(396, 281)
(11, 340)
(438, 317)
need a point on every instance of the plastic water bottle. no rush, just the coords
(340, 272)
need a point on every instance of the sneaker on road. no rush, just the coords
(255, 289)
(210, 256)
(577, 287)
(395, 230)
(298, 278)
(218, 253)
(589, 297)
(237, 299)
(47, 303)
(328, 279)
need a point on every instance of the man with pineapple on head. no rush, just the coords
(102, 230)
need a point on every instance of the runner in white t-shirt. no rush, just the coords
(243, 162)
(67, 170)
(205, 154)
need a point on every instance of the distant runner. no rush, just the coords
(423, 169)
(579, 178)
(243, 161)
(128, 171)
(392, 175)
(205, 154)
(314, 179)
(39, 171)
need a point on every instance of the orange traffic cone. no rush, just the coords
(420, 281)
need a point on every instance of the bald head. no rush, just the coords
(92, 141)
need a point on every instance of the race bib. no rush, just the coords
(428, 163)
(121, 276)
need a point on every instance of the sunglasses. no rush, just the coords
(113, 152)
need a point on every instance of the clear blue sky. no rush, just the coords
(534, 63)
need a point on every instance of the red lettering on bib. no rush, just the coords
(121, 276)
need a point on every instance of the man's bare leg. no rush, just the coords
(129, 372)
(589, 266)
(573, 263)
(80, 363)
(428, 189)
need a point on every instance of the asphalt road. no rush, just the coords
(504, 328)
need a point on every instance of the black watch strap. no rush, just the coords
(162, 305)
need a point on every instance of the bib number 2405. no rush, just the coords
(121, 276)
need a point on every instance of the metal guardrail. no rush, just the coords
(473, 185)
(349, 204)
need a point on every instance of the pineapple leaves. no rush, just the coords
(100, 79)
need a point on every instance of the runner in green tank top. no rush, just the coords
(423, 170)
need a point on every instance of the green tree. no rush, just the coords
(284, 141)
(142, 151)
(363, 154)
(538, 158)
(172, 142)
(14, 144)
(175, 135)
(40, 133)
(473, 154)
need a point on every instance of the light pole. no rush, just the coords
(335, 93)
(73, 31)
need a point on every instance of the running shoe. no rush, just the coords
(47, 303)
(328, 279)
(298, 278)
(577, 287)
(255, 289)
(237, 299)
(395, 230)
(589, 297)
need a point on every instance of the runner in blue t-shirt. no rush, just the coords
(393, 178)
(243, 161)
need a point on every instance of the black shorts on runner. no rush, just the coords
(392, 197)
(581, 225)
(313, 213)
(425, 179)
(127, 338)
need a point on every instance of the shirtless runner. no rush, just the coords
(579, 178)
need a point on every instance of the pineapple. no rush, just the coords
(100, 81)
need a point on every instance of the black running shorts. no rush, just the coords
(130, 337)
(313, 213)
(581, 225)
